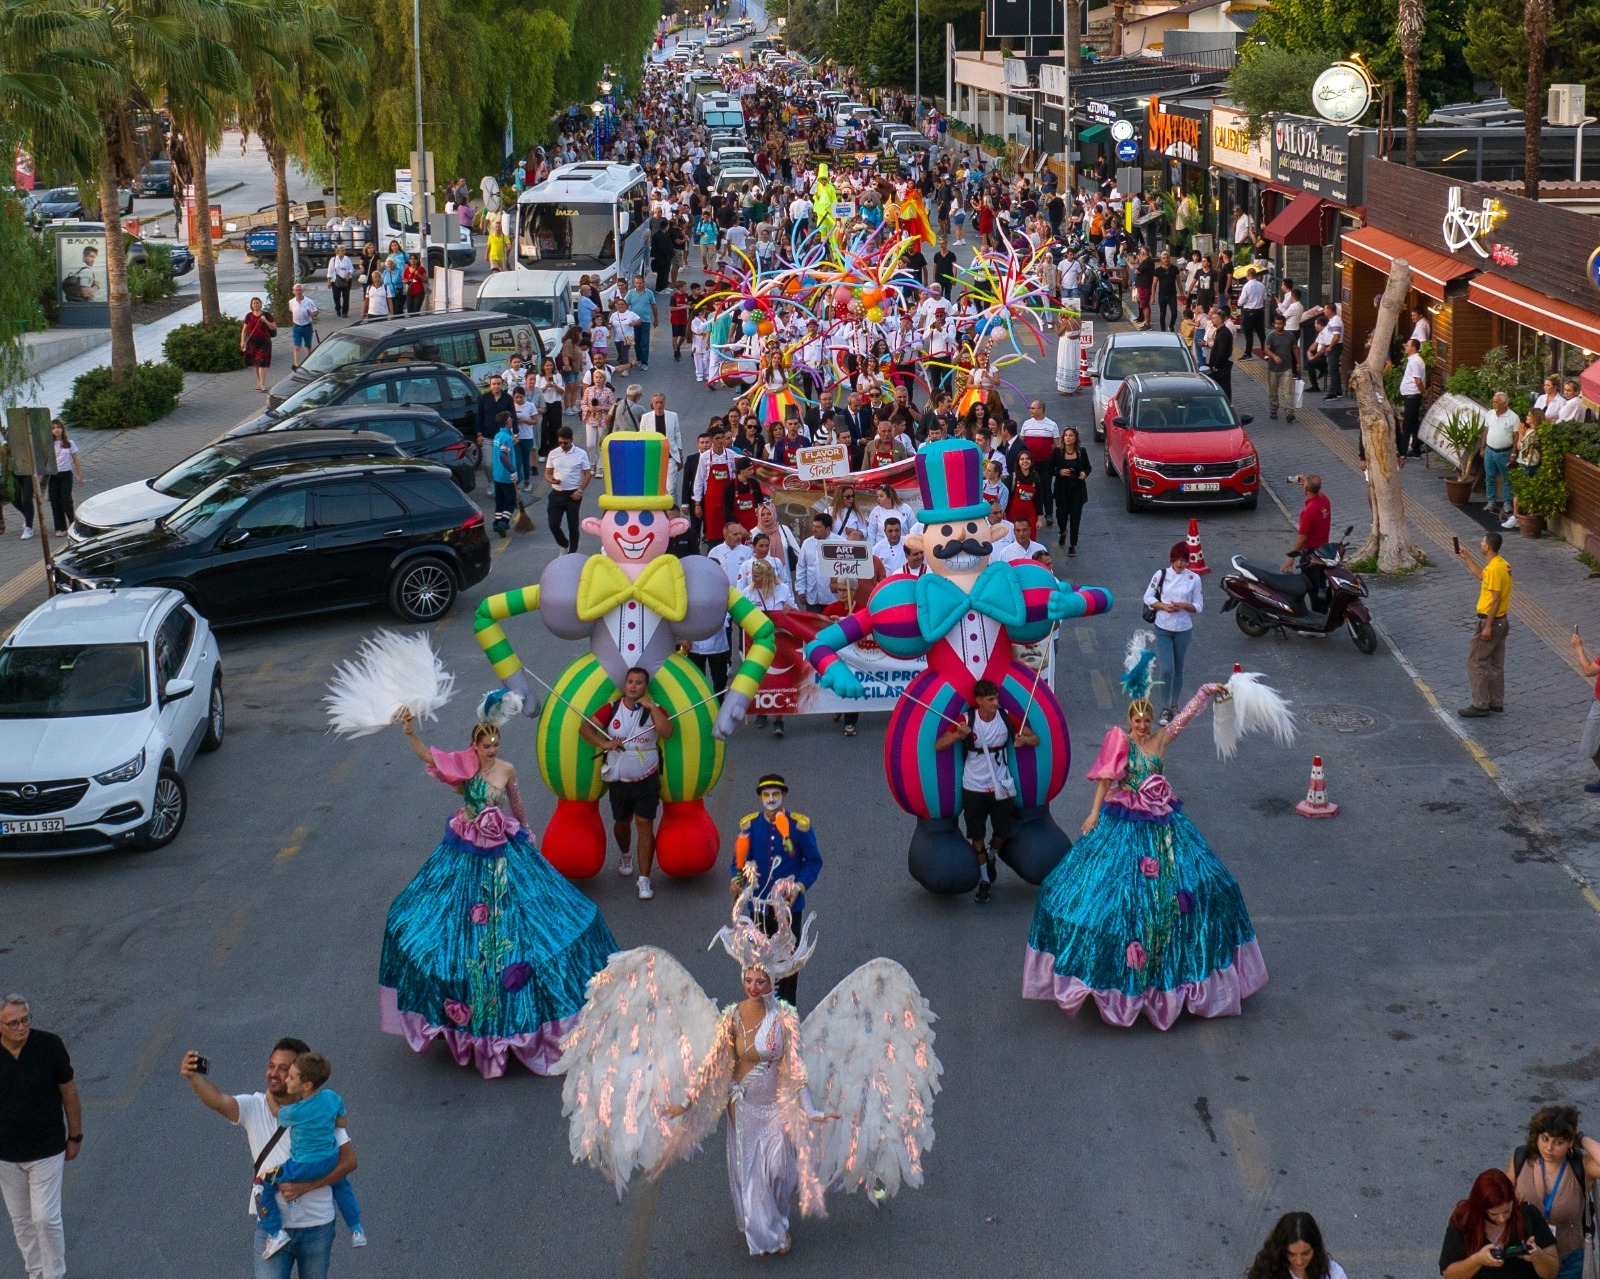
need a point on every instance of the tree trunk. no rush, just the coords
(205, 252)
(1390, 539)
(123, 353)
(1413, 97)
(1119, 19)
(1536, 22)
(279, 155)
(1074, 43)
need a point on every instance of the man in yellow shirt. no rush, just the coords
(1486, 659)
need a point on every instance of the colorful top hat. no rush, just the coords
(636, 472)
(950, 473)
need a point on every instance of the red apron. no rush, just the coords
(744, 508)
(719, 476)
(1024, 501)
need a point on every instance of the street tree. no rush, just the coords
(1269, 80)
(1536, 26)
(1413, 25)
(1390, 539)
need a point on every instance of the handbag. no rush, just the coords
(1149, 613)
(1299, 391)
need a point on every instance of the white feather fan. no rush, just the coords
(869, 1059)
(1250, 707)
(639, 1045)
(390, 671)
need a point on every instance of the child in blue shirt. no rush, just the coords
(503, 467)
(312, 1119)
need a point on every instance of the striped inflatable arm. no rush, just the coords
(823, 651)
(763, 643)
(492, 636)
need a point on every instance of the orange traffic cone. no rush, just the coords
(1316, 803)
(1197, 557)
(1083, 367)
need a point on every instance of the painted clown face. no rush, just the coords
(958, 550)
(634, 538)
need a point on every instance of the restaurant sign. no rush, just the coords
(1312, 156)
(1232, 149)
(1176, 132)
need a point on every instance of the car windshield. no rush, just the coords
(567, 232)
(192, 474)
(60, 681)
(541, 312)
(308, 397)
(208, 510)
(334, 352)
(1122, 362)
(1203, 411)
(724, 120)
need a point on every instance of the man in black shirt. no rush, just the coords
(41, 1127)
(491, 404)
(662, 247)
(916, 263)
(1219, 359)
(1282, 354)
(944, 269)
(1166, 277)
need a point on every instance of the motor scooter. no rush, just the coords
(1099, 291)
(1318, 598)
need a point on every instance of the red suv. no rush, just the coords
(1175, 440)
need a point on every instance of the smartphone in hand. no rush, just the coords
(1455, 542)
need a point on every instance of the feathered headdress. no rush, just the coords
(746, 941)
(499, 706)
(1136, 663)
(1249, 707)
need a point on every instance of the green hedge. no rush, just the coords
(149, 391)
(206, 348)
(148, 281)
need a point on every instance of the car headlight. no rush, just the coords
(122, 772)
(100, 583)
(1248, 460)
(1141, 462)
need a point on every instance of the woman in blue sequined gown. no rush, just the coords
(488, 948)
(1141, 916)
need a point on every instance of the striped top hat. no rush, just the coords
(636, 472)
(950, 473)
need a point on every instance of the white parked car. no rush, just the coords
(1125, 353)
(105, 698)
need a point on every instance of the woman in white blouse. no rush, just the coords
(770, 595)
(889, 507)
(1174, 593)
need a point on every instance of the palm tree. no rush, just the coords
(1536, 23)
(1413, 24)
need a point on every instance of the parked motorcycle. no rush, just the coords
(1318, 598)
(1100, 292)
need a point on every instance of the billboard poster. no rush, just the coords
(81, 267)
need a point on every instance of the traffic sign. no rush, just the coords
(1128, 151)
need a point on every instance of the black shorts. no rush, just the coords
(979, 806)
(680, 330)
(636, 799)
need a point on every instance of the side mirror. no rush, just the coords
(625, 221)
(1349, 529)
(1119, 420)
(234, 537)
(177, 688)
(1246, 418)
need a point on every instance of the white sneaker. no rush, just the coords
(27, 532)
(358, 1238)
(645, 891)
(275, 1244)
(1510, 521)
(625, 866)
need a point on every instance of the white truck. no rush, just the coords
(590, 218)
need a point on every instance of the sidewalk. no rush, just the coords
(1530, 752)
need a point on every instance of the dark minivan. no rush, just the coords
(284, 541)
(476, 342)
(425, 383)
(420, 432)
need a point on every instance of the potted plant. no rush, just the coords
(1541, 496)
(1460, 433)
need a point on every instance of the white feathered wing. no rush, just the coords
(1250, 707)
(643, 1040)
(869, 1058)
(390, 671)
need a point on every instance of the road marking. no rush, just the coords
(153, 1049)
(1085, 637)
(21, 584)
(296, 838)
(265, 667)
(1102, 690)
(1533, 820)
(229, 937)
(1249, 1151)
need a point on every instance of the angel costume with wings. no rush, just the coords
(841, 1101)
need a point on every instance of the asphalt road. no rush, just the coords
(1421, 949)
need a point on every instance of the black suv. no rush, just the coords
(282, 541)
(425, 383)
(420, 432)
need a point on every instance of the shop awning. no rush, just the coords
(1431, 273)
(1300, 222)
(1589, 383)
(1092, 132)
(1522, 305)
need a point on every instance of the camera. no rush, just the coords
(1510, 1250)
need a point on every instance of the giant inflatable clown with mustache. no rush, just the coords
(964, 614)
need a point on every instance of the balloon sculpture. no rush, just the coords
(634, 603)
(964, 614)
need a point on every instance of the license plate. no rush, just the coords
(1208, 486)
(34, 826)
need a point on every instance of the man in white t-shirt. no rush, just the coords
(306, 1206)
(731, 554)
(635, 728)
(1413, 381)
(890, 550)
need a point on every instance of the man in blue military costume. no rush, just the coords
(781, 846)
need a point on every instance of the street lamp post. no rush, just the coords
(419, 179)
(599, 109)
(917, 36)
